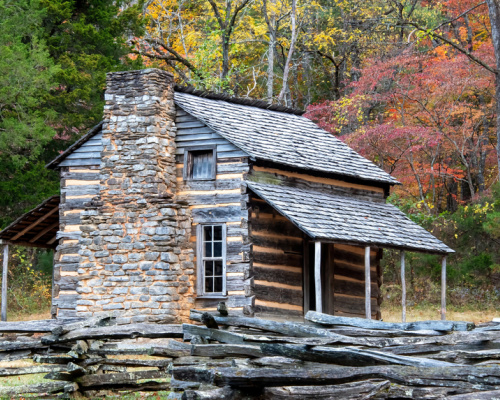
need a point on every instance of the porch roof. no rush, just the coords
(341, 219)
(36, 228)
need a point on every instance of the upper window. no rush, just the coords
(211, 256)
(199, 164)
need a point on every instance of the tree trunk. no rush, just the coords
(293, 38)
(494, 11)
(271, 26)
(225, 56)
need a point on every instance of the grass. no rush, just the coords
(391, 313)
(20, 316)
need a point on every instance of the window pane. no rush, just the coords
(208, 232)
(208, 249)
(209, 268)
(218, 268)
(202, 164)
(218, 284)
(217, 249)
(218, 232)
(209, 285)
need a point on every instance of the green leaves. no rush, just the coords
(54, 58)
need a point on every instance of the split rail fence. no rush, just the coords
(228, 357)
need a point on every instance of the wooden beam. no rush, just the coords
(48, 229)
(443, 288)
(51, 241)
(403, 287)
(41, 219)
(4, 281)
(317, 276)
(368, 288)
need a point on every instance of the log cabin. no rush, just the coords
(181, 199)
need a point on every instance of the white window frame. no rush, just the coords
(200, 260)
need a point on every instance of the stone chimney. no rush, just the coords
(136, 258)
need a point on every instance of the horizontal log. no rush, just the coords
(211, 394)
(164, 363)
(205, 361)
(38, 369)
(347, 356)
(357, 390)
(45, 325)
(93, 322)
(43, 359)
(467, 356)
(48, 387)
(105, 381)
(286, 328)
(353, 331)
(24, 345)
(15, 355)
(278, 294)
(225, 350)
(119, 332)
(483, 378)
(487, 395)
(443, 326)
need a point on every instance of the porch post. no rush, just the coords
(443, 288)
(403, 287)
(4, 281)
(368, 285)
(317, 276)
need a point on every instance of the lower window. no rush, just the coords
(211, 256)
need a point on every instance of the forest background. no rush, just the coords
(412, 85)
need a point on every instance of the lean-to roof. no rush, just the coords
(342, 219)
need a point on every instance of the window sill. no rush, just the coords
(214, 297)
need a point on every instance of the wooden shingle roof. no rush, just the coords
(342, 219)
(281, 137)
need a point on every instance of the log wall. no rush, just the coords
(89, 154)
(223, 200)
(278, 244)
(349, 281)
(277, 261)
(79, 184)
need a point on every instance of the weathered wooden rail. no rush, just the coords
(237, 357)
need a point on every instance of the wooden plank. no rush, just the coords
(123, 380)
(355, 390)
(49, 387)
(80, 162)
(443, 288)
(38, 221)
(326, 181)
(44, 325)
(441, 326)
(46, 230)
(278, 294)
(403, 288)
(118, 332)
(347, 356)
(38, 369)
(317, 276)
(5, 267)
(286, 328)
(368, 288)
(226, 350)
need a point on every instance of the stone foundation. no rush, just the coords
(136, 259)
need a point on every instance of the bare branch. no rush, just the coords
(455, 46)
